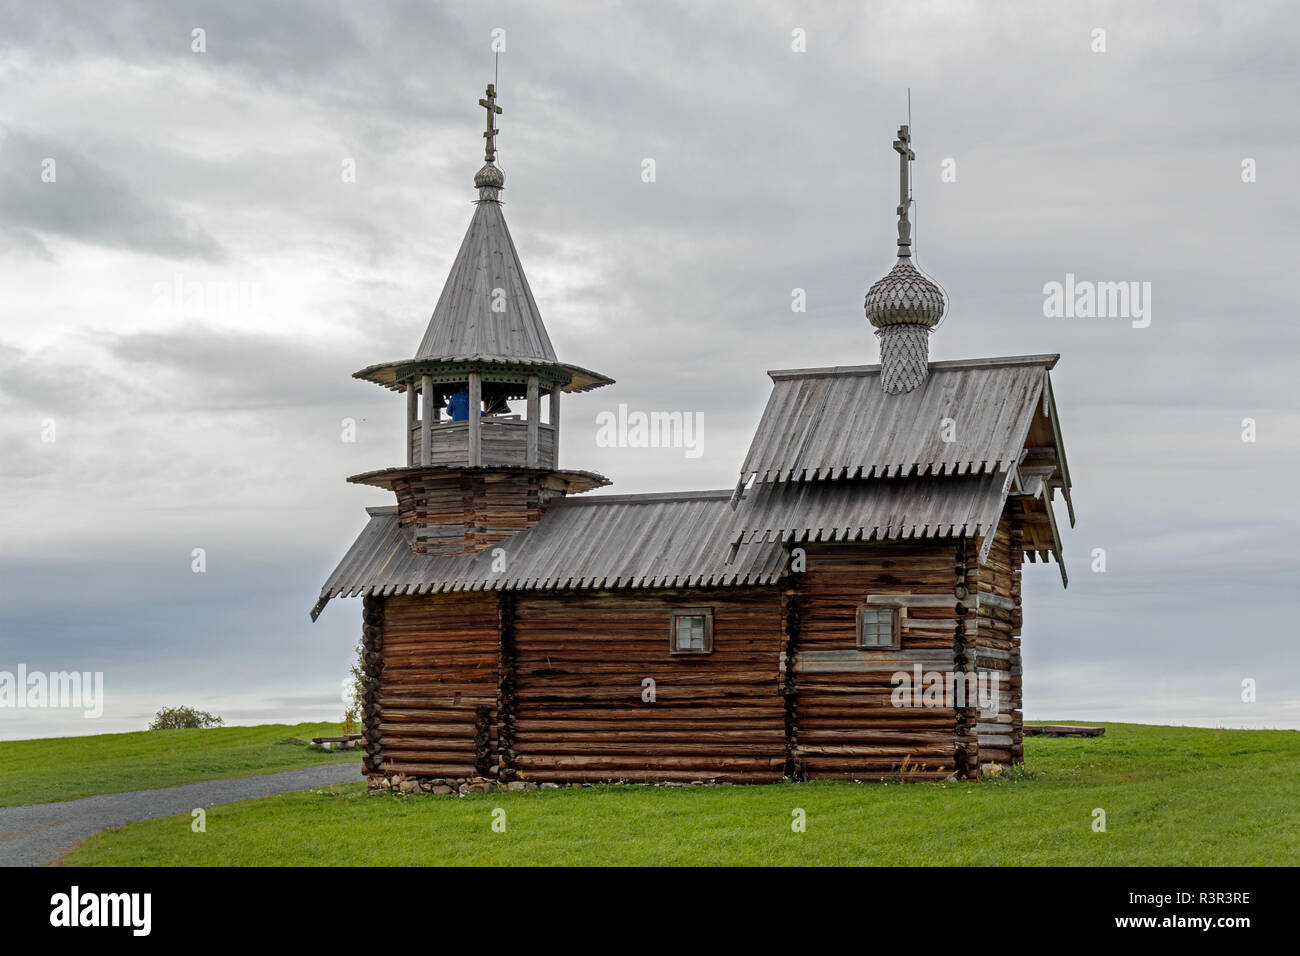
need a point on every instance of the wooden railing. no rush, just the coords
(504, 442)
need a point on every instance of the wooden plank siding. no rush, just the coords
(846, 725)
(504, 442)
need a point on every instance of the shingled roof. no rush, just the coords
(605, 541)
(486, 317)
(905, 460)
(835, 460)
(835, 423)
(464, 321)
(862, 510)
(687, 539)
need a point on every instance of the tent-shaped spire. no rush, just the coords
(486, 319)
(486, 307)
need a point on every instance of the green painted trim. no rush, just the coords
(445, 373)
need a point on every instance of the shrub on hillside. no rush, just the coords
(184, 718)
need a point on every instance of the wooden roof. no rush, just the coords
(464, 321)
(575, 482)
(397, 375)
(605, 541)
(931, 506)
(837, 423)
(835, 458)
(486, 318)
(691, 539)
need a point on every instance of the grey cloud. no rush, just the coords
(50, 381)
(296, 47)
(228, 369)
(87, 203)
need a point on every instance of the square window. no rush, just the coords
(878, 627)
(691, 631)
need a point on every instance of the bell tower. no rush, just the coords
(478, 470)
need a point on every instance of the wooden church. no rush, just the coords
(818, 621)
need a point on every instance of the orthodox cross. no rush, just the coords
(904, 147)
(490, 104)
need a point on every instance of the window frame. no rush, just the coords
(680, 612)
(896, 618)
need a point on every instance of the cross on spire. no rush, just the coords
(903, 145)
(490, 104)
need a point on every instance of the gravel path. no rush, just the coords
(40, 833)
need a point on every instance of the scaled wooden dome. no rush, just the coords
(904, 297)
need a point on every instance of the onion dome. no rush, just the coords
(490, 177)
(904, 306)
(904, 297)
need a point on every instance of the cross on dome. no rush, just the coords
(903, 145)
(493, 111)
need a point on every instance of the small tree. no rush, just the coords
(348, 725)
(352, 715)
(184, 718)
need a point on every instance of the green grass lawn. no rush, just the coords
(63, 768)
(1172, 796)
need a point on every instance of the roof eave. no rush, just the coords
(1049, 401)
(393, 375)
(577, 481)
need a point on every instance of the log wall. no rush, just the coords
(581, 662)
(438, 697)
(468, 512)
(998, 645)
(551, 686)
(372, 667)
(846, 724)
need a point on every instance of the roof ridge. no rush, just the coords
(1047, 358)
(589, 499)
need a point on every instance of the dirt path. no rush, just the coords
(40, 833)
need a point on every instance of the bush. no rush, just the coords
(184, 718)
(1012, 773)
(352, 715)
(349, 725)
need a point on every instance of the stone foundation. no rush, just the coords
(400, 783)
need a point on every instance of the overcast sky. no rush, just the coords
(212, 418)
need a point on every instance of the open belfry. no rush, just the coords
(851, 609)
(471, 480)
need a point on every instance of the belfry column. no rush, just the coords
(412, 413)
(555, 425)
(426, 420)
(475, 419)
(534, 412)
